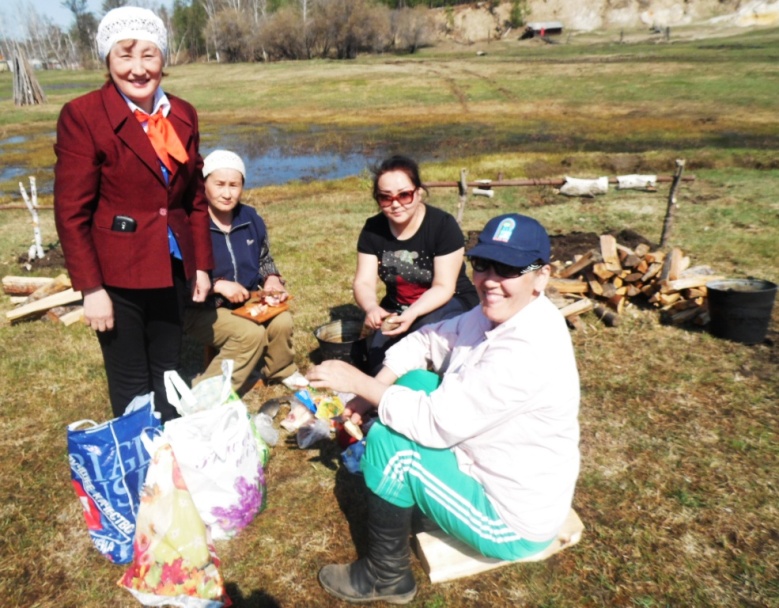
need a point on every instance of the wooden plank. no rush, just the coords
(652, 271)
(631, 261)
(608, 251)
(633, 277)
(609, 290)
(60, 283)
(577, 308)
(40, 306)
(632, 290)
(595, 287)
(688, 282)
(655, 256)
(617, 303)
(23, 286)
(624, 251)
(444, 558)
(568, 285)
(641, 250)
(67, 315)
(584, 262)
(599, 270)
(672, 268)
(695, 292)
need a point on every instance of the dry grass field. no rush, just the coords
(678, 488)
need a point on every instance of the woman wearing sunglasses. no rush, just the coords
(486, 444)
(417, 252)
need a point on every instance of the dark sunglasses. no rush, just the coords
(502, 270)
(404, 198)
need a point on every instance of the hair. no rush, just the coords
(397, 163)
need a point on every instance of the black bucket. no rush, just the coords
(344, 340)
(740, 309)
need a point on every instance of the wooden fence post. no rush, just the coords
(671, 209)
(463, 188)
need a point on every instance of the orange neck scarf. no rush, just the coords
(163, 137)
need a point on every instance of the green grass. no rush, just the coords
(679, 442)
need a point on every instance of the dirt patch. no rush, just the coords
(52, 258)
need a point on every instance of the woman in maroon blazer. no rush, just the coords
(130, 208)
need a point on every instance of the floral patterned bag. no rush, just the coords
(221, 465)
(174, 562)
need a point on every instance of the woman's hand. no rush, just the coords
(375, 316)
(201, 286)
(98, 309)
(344, 378)
(233, 292)
(335, 375)
(400, 324)
(273, 283)
(356, 409)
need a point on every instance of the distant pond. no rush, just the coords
(272, 156)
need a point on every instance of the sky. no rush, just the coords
(54, 10)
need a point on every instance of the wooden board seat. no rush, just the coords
(445, 558)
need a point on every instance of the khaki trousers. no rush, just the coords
(245, 342)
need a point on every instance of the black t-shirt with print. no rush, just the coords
(406, 266)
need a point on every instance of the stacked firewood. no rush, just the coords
(36, 297)
(605, 281)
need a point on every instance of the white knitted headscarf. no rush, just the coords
(131, 23)
(223, 159)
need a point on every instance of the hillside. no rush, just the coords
(483, 20)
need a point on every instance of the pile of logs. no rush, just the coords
(38, 297)
(605, 281)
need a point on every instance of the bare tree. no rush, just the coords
(413, 28)
(352, 25)
(112, 4)
(84, 28)
(232, 35)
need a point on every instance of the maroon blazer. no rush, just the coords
(106, 166)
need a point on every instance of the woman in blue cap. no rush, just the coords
(488, 447)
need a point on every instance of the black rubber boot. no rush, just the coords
(384, 574)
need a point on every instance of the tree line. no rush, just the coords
(246, 30)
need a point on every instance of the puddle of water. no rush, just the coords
(274, 156)
(16, 139)
(11, 173)
(277, 168)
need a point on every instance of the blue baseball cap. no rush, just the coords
(513, 239)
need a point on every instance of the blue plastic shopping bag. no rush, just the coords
(108, 464)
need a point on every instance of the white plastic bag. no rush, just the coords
(584, 187)
(636, 182)
(221, 465)
(211, 392)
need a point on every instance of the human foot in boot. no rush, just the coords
(357, 583)
(385, 572)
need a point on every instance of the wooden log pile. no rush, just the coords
(606, 280)
(38, 297)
